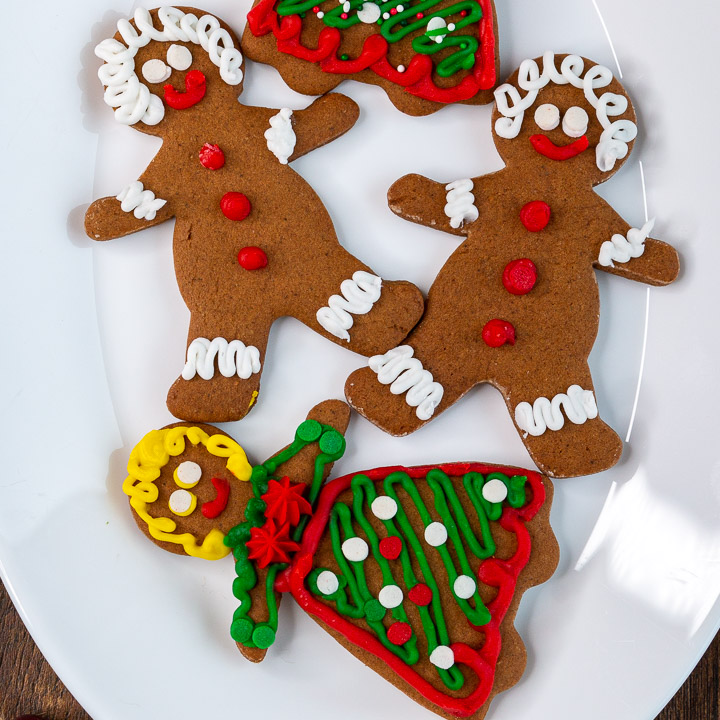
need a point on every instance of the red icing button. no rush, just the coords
(399, 633)
(252, 258)
(211, 157)
(535, 216)
(420, 595)
(391, 547)
(235, 206)
(498, 332)
(520, 276)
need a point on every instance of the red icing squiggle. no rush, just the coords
(194, 92)
(417, 78)
(501, 574)
(213, 508)
(545, 146)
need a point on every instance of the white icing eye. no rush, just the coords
(182, 503)
(547, 117)
(575, 122)
(179, 57)
(155, 71)
(187, 474)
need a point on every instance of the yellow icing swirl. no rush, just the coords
(146, 461)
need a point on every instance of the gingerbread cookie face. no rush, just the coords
(423, 54)
(188, 486)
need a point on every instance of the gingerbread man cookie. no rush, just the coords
(252, 241)
(424, 54)
(517, 304)
(417, 571)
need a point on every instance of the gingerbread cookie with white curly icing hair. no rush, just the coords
(517, 304)
(252, 240)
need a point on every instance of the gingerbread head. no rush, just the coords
(572, 117)
(165, 67)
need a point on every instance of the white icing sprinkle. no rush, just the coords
(327, 582)
(464, 587)
(384, 507)
(280, 135)
(355, 549)
(401, 68)
(436, 534)
(495, 491)
(443, 657)
(188, 473)
(390, 596)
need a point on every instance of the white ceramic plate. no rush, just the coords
(94, 335)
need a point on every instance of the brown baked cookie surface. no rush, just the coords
(517, 304)
(252, 240)
(423, 54)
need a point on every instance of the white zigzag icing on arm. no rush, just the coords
(544, 414)
(142, 203)
(622, 250)
(404, 373)
(460, 206)
(233, 358)
(358, 297)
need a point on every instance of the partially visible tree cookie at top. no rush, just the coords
(424, 53)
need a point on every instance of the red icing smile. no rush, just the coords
(194, 92)
(545, 146)
(213, 508)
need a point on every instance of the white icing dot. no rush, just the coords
(443, 657)
(436, 534)
(321, 14)
(547, 117)
(451, 27)
(575, 122)
(494, 491)
(464, 587)
(180, 501)
(384, 507)
(355, 549)
(390, 596)
(386, 16)
(179, 57)
(346, 7)
(400, 8)
(188, 473)
(436, 23)
(369, 13)
(327, 582)
(155, 71)
(401, 68)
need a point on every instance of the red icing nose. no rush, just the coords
(498, 332)
(194, 92)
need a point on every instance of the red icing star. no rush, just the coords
(268, 544)
(285, 501)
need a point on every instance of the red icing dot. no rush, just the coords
(420, 16)
(391, 547)
(399, 633)
(211, 157)
(535, 215)
(235, 206)
(393, 11)
(520, 276)
(252, 258)
(344, 16)
(421, 594)
(498, 332)
(316, 9)
(463, 13)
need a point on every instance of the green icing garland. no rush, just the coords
(352, 579)
(243, 629)
(402, 23)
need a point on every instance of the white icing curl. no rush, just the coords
(405, 374)
(460, 206)
(142, 203)
(544, 414)
(616, 135)
(358, 297)
(233, 358)
(620, 249)
(123, 90)
(280, 135)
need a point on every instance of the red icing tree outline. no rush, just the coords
(501, 574)
(417, 78)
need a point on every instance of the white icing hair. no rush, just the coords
(616, 135)
(124, 91)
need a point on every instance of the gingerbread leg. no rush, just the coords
(355, 308)
(559, 423)
(220, 380)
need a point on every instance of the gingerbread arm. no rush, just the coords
(325, 120)
(450, 207)
(629, 252)
(138, 206)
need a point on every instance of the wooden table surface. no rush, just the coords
(29, 686)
